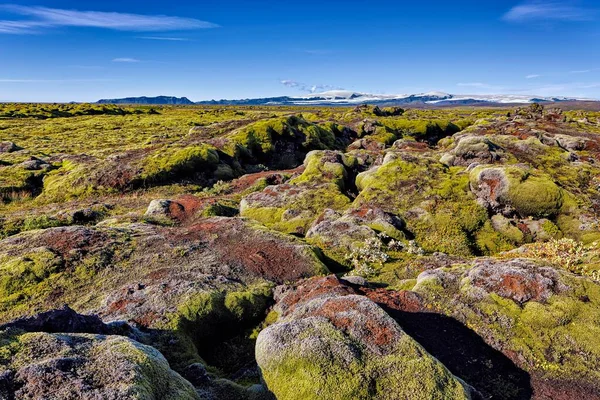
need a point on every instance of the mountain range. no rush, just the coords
(160, 100)
(348, 98)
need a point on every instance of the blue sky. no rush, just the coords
(84, 51)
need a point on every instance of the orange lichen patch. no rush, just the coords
(403, 300)
(147, 319)
(493, 185)
(516, 280)
(313, 288)
(373, 331)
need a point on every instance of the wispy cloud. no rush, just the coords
(169, 39)
(584, 71)
(126, 60)
(306, 87)
(44, 17)
(53, 80)
(532, 76)
(21, 27)
(548, 11)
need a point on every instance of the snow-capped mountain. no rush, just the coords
(344, 97)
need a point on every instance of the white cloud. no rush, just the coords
(126, 60)
(548, 11)
(306, 87)
(585, 71)
(532, 76)
(169, 39)
(44, 17)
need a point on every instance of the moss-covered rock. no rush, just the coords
(85, 366)
(292, 207)
(544, 319)
(516, 189)
(344, 346)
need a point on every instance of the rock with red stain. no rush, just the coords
(536, 314)
(147, 270)
(164, 208)
(333, 343)
(519, 280)
(516, 189)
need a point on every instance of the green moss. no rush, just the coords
(179, 162)
(551, 229)
(21, 275)
(258, 140)
(221, 209)
(319, 170)
(73, 181)
(489, 241)
(210, 314)
(537, 196)
(440, 232)
(319, 370)
(298, 209)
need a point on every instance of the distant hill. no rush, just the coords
(160, 100)
(347, 98)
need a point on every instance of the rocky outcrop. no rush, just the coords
(330, 343)
(516, 189)
(473, 149)
(164, 208)
(85, 366)
(540, 317)
(8, 147)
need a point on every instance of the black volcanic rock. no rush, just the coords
(160, 100)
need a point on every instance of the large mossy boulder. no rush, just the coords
(517, 189)
(545, 319)
(332, 344)
(85, 366)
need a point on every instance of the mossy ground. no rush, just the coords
(115, 160)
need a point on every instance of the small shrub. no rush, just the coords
(366, 256)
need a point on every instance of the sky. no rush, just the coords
(60, 51)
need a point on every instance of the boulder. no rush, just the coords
(470, 149)
(330, 343)
(544, 319)
(35, 164)
(85, 366)
(517, 280)
(164, 208)
(8, 147)
(516, 189)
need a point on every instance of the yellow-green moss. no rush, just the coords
(171, 163)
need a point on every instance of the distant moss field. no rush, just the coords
(164, 140)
